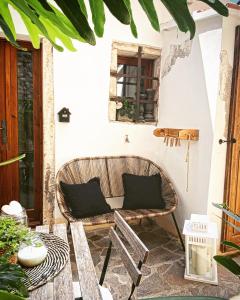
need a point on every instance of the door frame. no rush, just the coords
(231, 126)
(48, 161)
(11, 89)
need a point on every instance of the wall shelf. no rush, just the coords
(178, 134)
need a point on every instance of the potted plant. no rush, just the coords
(12, 286)
(127, 111)
(12, 234)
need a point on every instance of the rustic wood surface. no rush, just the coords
(127, 260)
(45, 291)
(63, 282)
(140, 250)
(87, 276)
(232, 175)
(62, 285)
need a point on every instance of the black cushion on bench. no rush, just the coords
(85, 199)
(142, 192)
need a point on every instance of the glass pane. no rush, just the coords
(127, 86)
(25, 127)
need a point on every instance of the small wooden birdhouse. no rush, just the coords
(64, 115)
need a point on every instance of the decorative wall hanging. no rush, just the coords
(172, 137)
(64, 115)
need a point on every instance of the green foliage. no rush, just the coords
(4, 295)
(12, 234)
(11, 280)
(10, 161)
(68, 20)
(227, 261)
(127, 109)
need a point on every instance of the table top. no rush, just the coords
(62, 285)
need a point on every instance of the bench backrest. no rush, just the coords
(110, 169)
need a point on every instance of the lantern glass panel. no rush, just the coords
(200, 260)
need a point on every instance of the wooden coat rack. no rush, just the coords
(175, 135)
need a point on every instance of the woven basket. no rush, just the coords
(12, 259)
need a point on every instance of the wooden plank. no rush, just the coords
(63, 283)
(44, 292)
(87, 276)
(140, 250)
(232, 173)
(129, 263)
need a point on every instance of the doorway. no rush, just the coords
(232, 179)
(21, 127)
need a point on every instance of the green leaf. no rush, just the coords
(69, 29)
(228, 263)
(8, 33)
(55, 33)
(5, 12)
(23, 8)
(218, 6)
(180, 13)
(132, 24)
(231, 245)
(98, 16)
(46, 5)
(227, 211)
(4, 295)
(32, 30)
(232, 225)
(55, 16)
(10, 161)
(83, 8)
(119, 9)
(150, 11)
(73, 12)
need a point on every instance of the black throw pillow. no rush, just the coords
(85, 199)
(142, 192)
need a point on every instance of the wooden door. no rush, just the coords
(21, 127)
(232, 181)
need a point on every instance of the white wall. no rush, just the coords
(216, 191)
(185, 103)
(82, 85)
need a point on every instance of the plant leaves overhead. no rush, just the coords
(98, 16)
(180, 13)
(119, 9)
(132, 24)
(73, 12)
(67, 20)
(150, 11)
(218, 6)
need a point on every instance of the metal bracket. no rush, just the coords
(231, 141)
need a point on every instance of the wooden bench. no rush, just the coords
(110, 169)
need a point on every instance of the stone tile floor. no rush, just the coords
(163, 272)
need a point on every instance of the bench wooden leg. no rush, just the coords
(178, 231)
(105, 265)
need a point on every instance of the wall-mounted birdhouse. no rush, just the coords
(64, 115)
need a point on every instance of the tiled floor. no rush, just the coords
(163, 272)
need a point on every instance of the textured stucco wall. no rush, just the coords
(217, 177)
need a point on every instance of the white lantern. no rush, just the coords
(201, 245)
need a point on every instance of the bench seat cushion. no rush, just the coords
(126, 214)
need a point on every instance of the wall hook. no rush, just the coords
(127, 139)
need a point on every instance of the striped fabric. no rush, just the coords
(110, 170)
